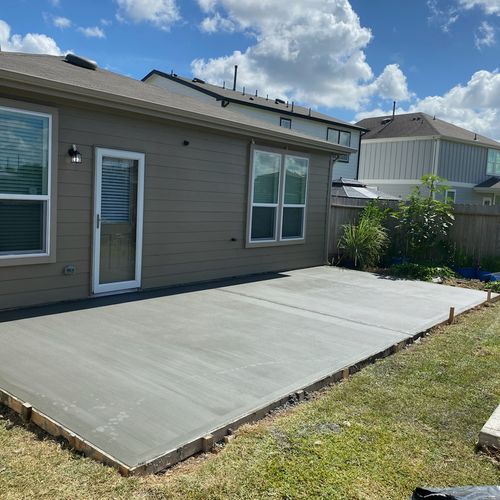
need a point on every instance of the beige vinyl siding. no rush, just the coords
(195, 203)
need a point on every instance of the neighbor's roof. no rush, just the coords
(250, 99)
(52, 75)
(419, 125)
(351, 188)
(491, 183)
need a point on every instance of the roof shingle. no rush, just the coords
(419, 125)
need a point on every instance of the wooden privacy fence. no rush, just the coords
(476, 230)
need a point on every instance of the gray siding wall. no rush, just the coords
(396, 159)
(195, 202)
(460, 162)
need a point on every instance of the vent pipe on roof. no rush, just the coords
(393, 109)
(224, 84)
(475, 137)
(293, 104)
(235, 76)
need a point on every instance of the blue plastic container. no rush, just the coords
(471, 273)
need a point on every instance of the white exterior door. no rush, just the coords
(118, 220)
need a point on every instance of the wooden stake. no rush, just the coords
(489, 296)
(207, 443)
(451, 318)
(26, 412)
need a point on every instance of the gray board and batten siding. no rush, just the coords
(409, 159)
(194, 211)
(460, 162)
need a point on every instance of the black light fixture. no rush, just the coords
(75, 155)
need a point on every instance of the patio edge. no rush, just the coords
(31, 415)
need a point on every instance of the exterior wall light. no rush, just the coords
(75, 155)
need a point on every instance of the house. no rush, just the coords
(275, 111)
(398, 150)
(108, 184)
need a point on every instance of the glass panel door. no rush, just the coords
(118, 242)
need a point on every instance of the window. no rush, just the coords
(278, 197)
(286, 122)
(338, 137)
(25, 158)
(487, 201)
(493, 167)
(450, 195)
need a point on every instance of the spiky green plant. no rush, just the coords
(363, 243)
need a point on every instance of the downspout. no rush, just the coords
(333, 159)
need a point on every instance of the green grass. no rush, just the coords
(411, 419)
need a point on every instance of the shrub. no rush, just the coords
(494, 286)
(423, 223)
(420, 272)
(363, 243)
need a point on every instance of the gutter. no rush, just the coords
(22, 81)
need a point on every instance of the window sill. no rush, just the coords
(282, 243)
(22, 260)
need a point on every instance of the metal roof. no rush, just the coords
(419, 125)
(351, 188)
(491, 183)
(251, 99)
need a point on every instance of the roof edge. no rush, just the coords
(82, 94)
(221, 97)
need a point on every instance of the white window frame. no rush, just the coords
(446, 194)
(29, 197)
(283, 205)
(280, 205)
(488, 171)
(487, 201)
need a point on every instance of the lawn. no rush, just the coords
(411, 419)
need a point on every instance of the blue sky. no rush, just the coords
(346, 58)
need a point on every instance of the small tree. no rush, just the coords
(424, 222)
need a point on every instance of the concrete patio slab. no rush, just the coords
(145, 381)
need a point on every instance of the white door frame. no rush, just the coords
(122, 285)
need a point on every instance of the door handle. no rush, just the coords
(98, 221)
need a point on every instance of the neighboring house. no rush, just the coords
(108, 184)
(397, 151)
(274, 111)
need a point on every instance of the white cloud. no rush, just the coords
(485, 35)
(92, 32)
(489, 6)
(55, 3)
(474, 106)
(311, 52)
(444, 18)
(61, 22)
(160, 13)
(212, 24)
(31, 42)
